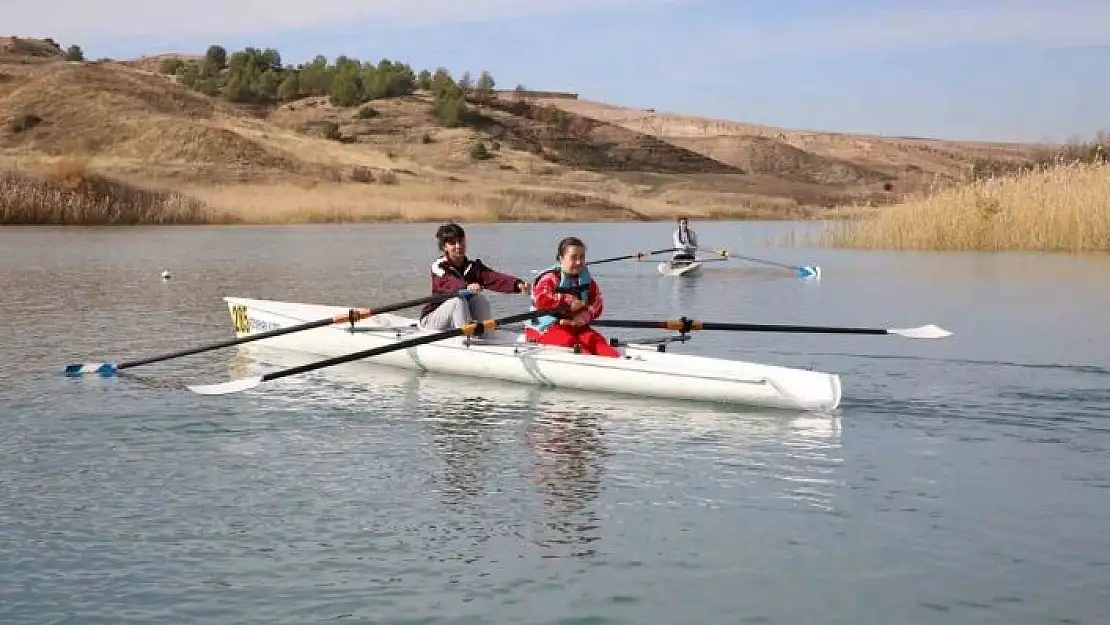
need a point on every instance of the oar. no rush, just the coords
(637, 256)
(470, 329)
(696, 260)
(802, 271)
(686, 325)
(109, 368)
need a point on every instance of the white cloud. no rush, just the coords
(1060, 24)
(86, 20)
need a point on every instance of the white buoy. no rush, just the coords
(165, 274)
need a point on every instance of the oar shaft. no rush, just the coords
(469, 329)
(357, 313)
(768, 262)
(630, 256)
(637, 255)
(688, 325)
(754, 327)
(765, 262)
(196, 350)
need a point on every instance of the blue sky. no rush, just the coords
(978, 69)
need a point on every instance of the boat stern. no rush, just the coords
(252, 316)
(243, 323)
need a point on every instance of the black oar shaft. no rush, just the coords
(193, 350)
(637, 255)
(630, 256)
(476, 327)
(754, 327)
(688, 325)
(355, 314)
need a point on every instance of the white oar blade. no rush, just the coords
(226, 388)
(922, 332)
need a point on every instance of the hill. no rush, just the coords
(256, 140)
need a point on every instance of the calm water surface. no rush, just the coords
(962, 481)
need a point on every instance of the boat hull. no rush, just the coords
(676, 270)
(641, 371)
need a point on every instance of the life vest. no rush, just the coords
(582, 290)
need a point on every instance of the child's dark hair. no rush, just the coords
(449, 231)
(568, 242)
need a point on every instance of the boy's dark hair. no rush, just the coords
(568, 242)
(447, 232)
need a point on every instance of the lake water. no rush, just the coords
(962, 481)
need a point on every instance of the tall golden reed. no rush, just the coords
(69, 194)
(1062, 208)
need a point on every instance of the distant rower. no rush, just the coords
(685, 239)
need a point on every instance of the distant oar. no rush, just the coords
(696, 260)
(637, 256)
(472, 328)
(801, 271)
(355, 314)
(686, 325)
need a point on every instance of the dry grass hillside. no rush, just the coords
(513, 157)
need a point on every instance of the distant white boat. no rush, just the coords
(674, 269)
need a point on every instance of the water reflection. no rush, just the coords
(754, 458)
(684, 292)
(489, 441)
(567, 469)
(473, 420)
(462, 432)
(531, 463)
(241, 363)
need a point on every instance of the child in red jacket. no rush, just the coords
(568, 283)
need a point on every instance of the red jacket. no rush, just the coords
(448, 278)
(544, 296)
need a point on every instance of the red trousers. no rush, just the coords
(590, 340)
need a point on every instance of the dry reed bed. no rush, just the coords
(69, 194)
(1063, 208)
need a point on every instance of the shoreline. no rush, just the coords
(430, 220)
(1063, 208)
(69, 192)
